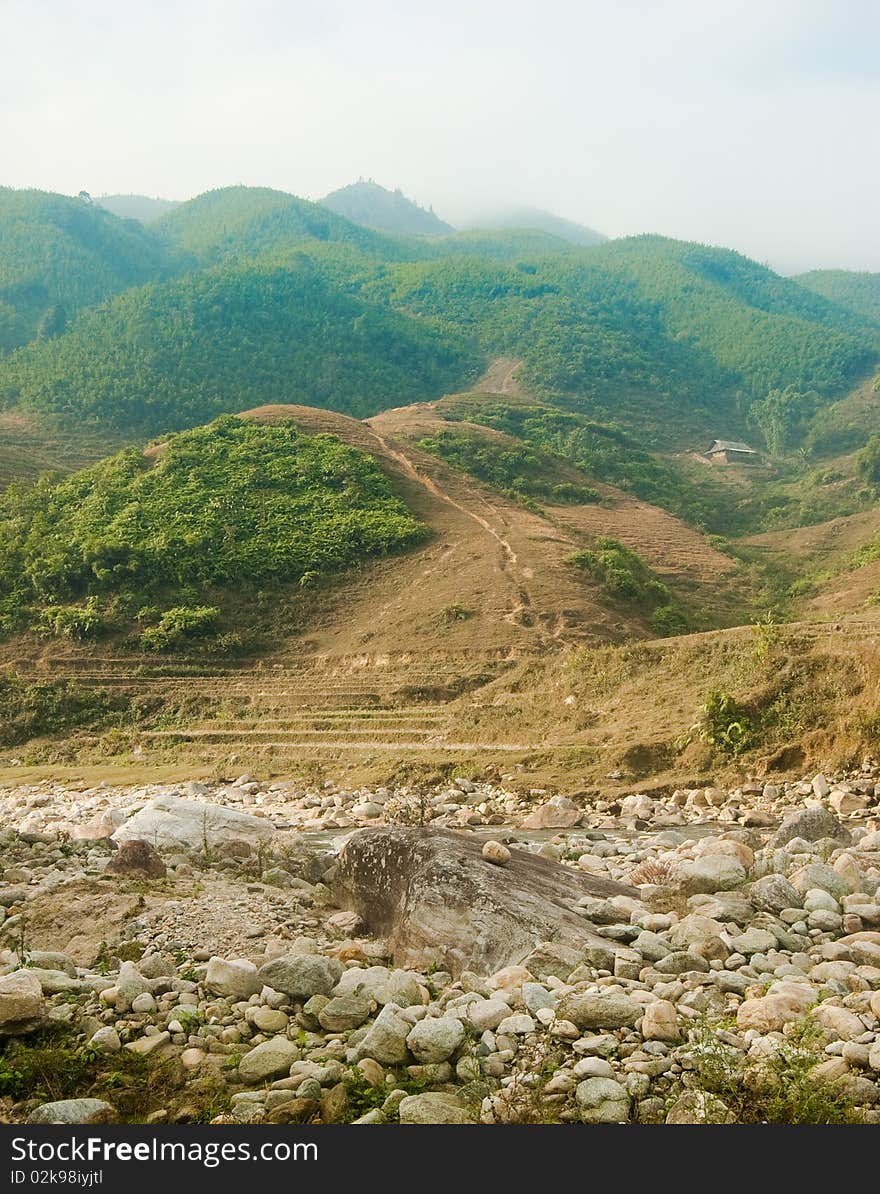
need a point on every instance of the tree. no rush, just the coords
(53, 323)
(783, 416)
(868, 461)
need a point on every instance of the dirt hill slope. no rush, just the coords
(828, 554)
(494, 579)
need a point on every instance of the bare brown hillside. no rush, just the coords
(494, 578)
(32, 444)
(827, 554)
(665, 542)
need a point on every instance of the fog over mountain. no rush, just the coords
(748, 125)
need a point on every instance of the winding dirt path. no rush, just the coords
(509, 555)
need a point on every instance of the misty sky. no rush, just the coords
(748, 123)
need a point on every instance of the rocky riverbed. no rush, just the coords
(204, 952)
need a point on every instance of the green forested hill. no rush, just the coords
(165, 357)
(675, 339)
(859, 292)
(365, 202)
(233, 502)
(59, 255)
(288, 301)
(242, 222)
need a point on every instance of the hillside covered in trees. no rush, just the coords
(166, 356)
(234, 502)
(275, 299)
(59, 255)
(859, 292)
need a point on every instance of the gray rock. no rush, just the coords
(599, 1011)
(712, 872)
(74, 1111)
(550, 959)
(237, 978)
(52, 960)
(774, 894)
(433, 1108)
(651, 946)
(434, 1040)
(488, 1013)
(301, 975)
(535, 997)
(811, 824)
(270, 1059)
(817, 874)
(385, 1040)
(21, 1002)
(345, 1012)
(602, 1101)
(106, 1040)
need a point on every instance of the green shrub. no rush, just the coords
(779, 1089)
(868, 461)
(726, 724)
(624, 576)
(180, 625)
(668, 620)
(515, 469)
(78, 622)
(235, 503)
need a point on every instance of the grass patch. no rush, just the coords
(52, 1064)
(780, 1089)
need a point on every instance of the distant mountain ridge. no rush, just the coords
(365, 202)
(859, 291)
(145, 208)
(539, 220)
(59, 255)
(249, 295)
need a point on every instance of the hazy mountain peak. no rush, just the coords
(136, 207)
(537, 218)
(366, 202)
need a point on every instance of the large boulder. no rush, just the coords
(21, 1002)
(810, 824)
(435, 899)
(172, 822)
(301, 975)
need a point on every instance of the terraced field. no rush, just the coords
(336, 709)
